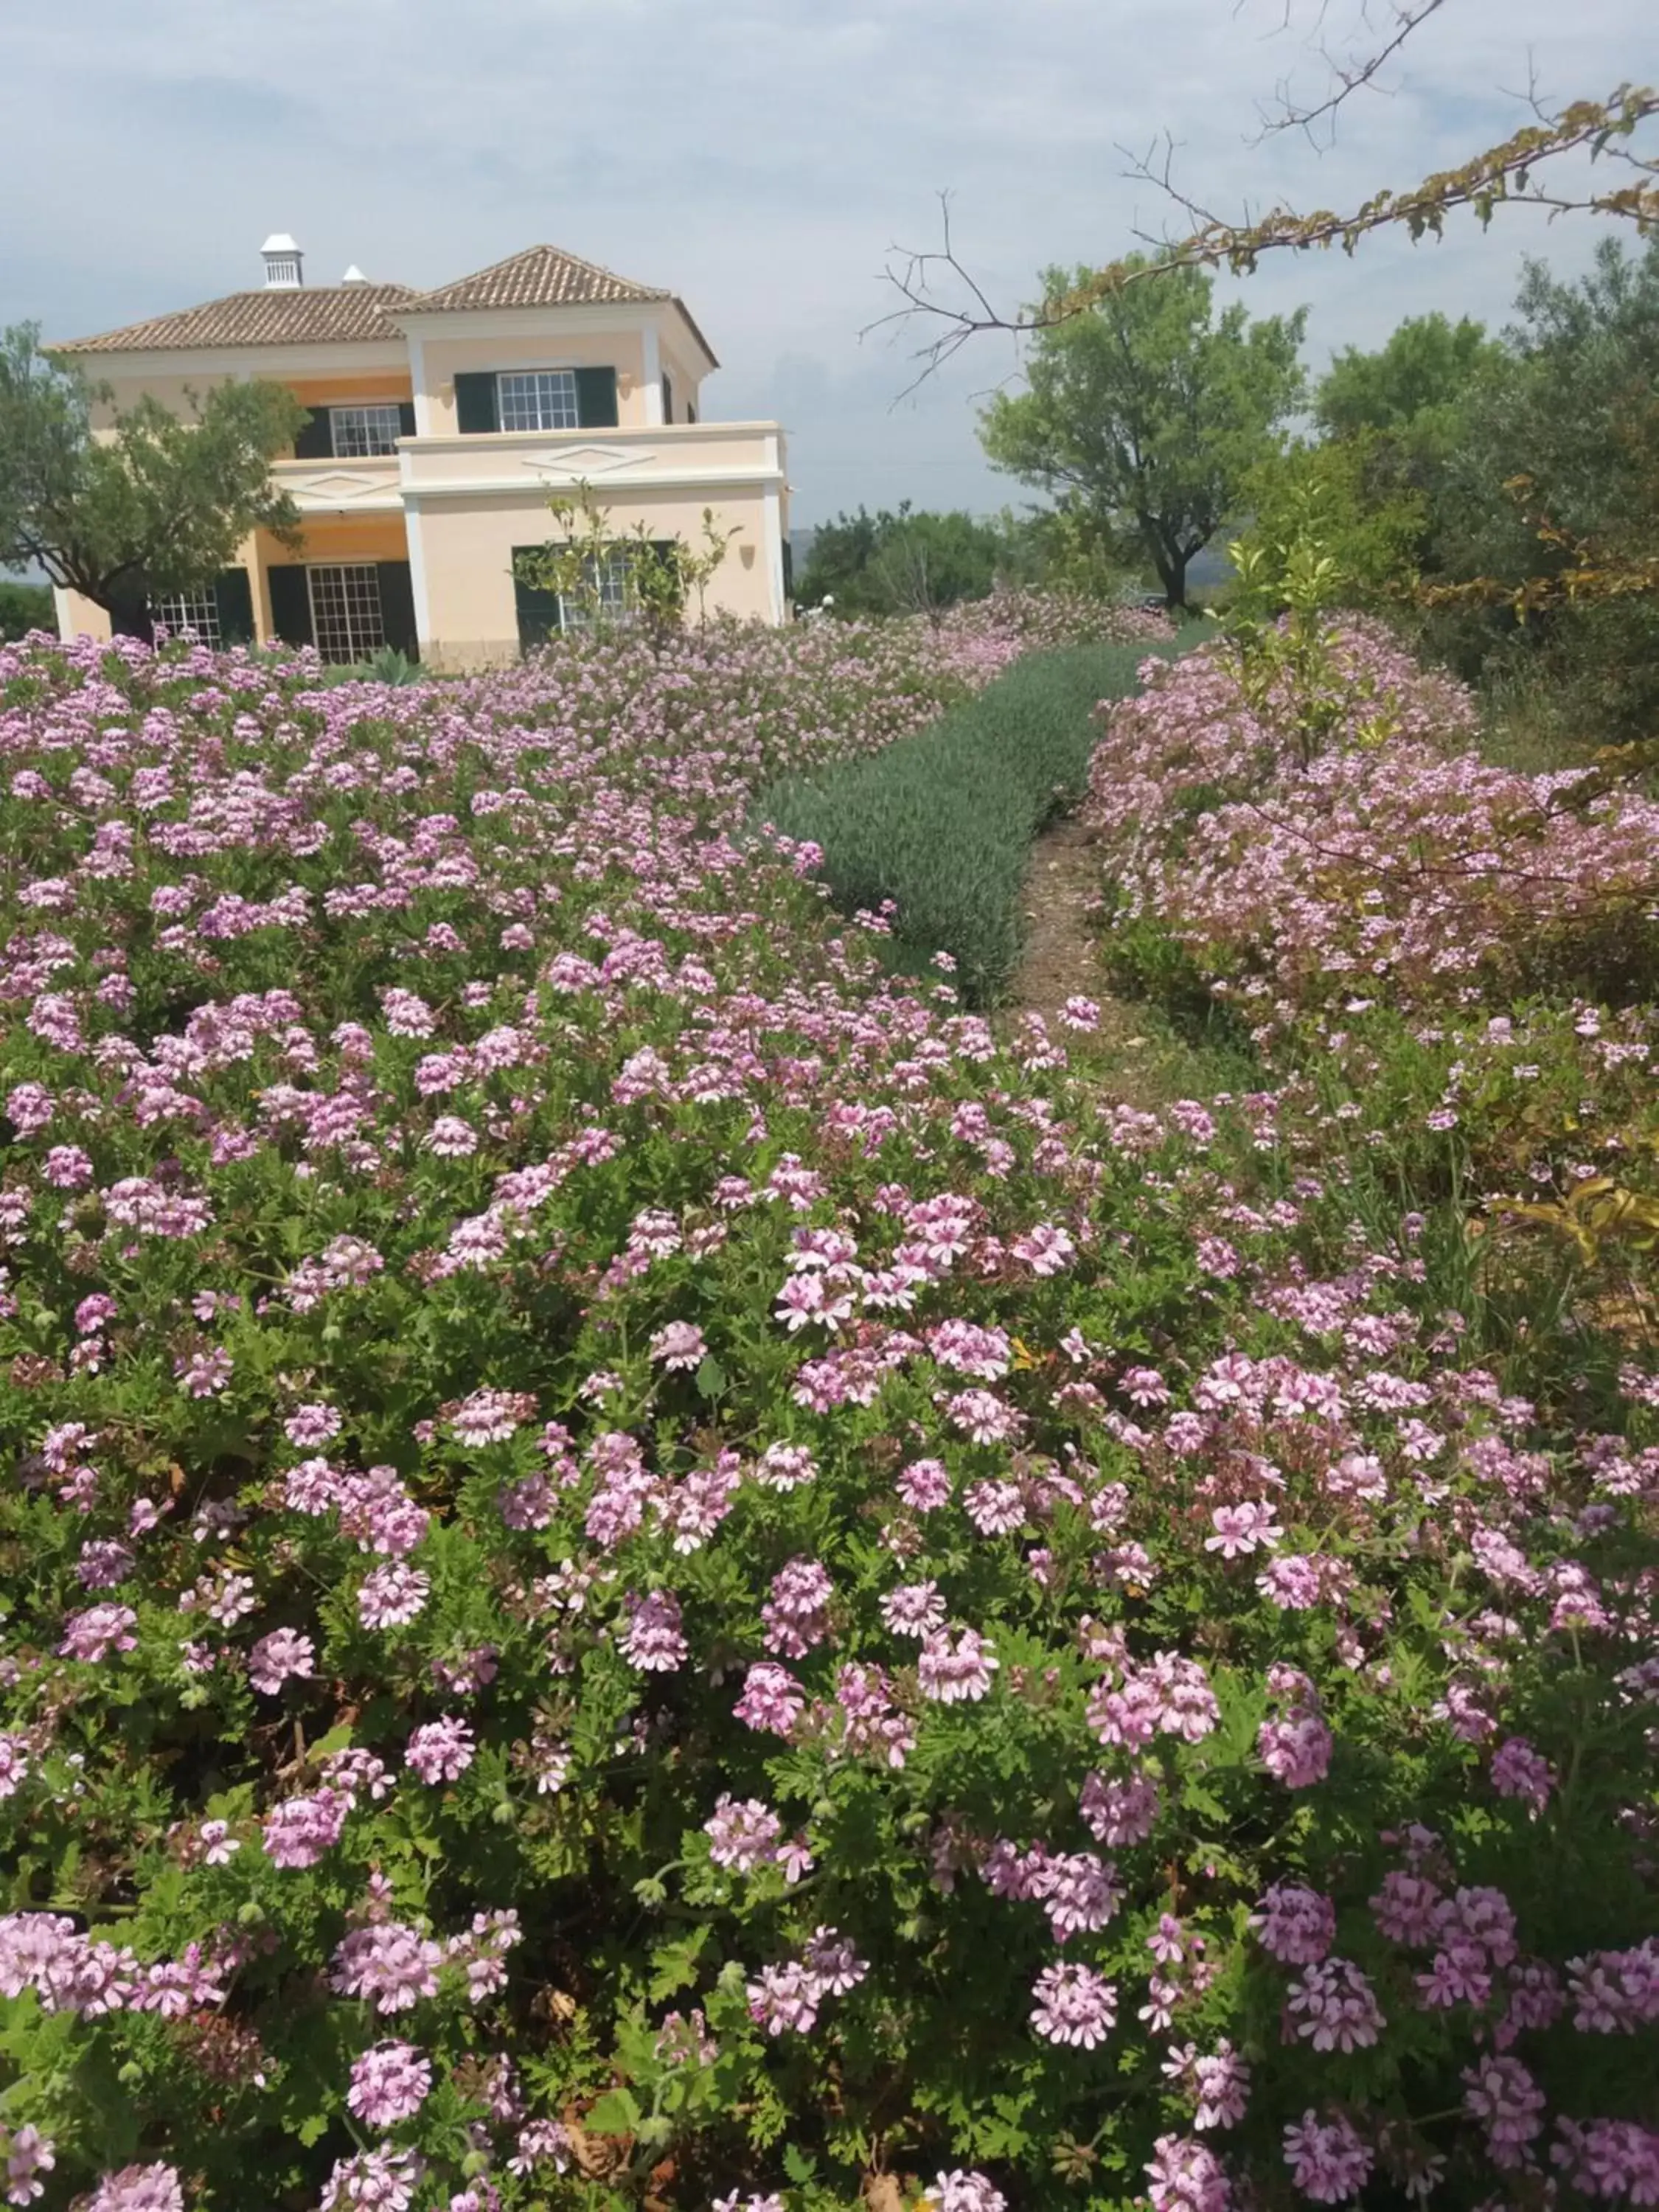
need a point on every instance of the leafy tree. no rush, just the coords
(1572, 410)
(903, 563)
(1064, 548)
(1417, 378)
(1148, 413)
(24, 607)
(1348, 493)
(160, 503)
(1551, 497)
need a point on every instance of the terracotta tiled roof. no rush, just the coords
(318, 315)
(540, 277)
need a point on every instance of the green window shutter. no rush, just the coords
(233, 594)
(667, 397)
(405, 418)
(315, 440)
(290, 602)
(596, 398)
(129, 612)
(536, 608)
(788, 570)
(475, 401)
(397, 607)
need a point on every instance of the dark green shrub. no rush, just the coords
(24, 607)
(940, 824)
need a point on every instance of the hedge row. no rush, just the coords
(941, 823)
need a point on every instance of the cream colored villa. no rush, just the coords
(439, 424)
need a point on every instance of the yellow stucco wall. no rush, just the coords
(341, 537)
(174, 387)
(467, 548)
(623, 350)
(679, 369)
(79, 617)
(341, 390)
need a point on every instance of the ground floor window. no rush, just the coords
(346, 623)
(172, 613)
(604, 597)
(609, 594)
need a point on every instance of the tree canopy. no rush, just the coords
(1424, 369)
(161, 503)
(1148, 413)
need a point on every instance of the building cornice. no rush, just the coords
(739, 475)
(470, 323)
(622, 435)
(336, 359)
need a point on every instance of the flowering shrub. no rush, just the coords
(1391, 859)
(643, 1569)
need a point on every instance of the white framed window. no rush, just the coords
(537, 399)
(360, 432)
(607, 581)
(345, 610)
(173, 613)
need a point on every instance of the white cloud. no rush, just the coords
(759, 156)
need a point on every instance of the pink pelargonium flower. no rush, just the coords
(1329, 2162)
(1073, 2004)
(441, 1750)
(653, 1639)
(959, 1672)
(389, 2084)
(282, 1656)
(1186, 2176)
(154, 2187)
(101, 1629)
(1241, 1529)
(1047, 1249)
(681, 1344)
(964, 2189)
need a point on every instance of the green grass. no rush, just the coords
(942, 823)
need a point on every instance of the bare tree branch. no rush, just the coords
(1350, 76)
(1506, 175)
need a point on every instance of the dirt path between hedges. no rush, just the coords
(1061, 960)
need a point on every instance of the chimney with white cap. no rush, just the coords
(353, 275)
(283, 259)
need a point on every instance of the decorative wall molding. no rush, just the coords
(341, 485)
(569, 462)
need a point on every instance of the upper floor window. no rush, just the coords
(359, 432)
(354, 432)
(538, 399)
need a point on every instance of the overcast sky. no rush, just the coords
(760, 157)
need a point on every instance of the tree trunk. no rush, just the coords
(1172, 575)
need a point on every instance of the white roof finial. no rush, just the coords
(282, 263)
(353, 275)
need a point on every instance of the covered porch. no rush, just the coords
(347, 589)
